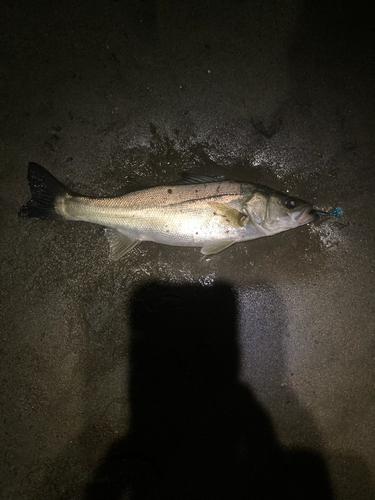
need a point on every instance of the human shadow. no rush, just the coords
(196, 431)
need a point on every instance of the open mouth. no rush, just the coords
(307, 215)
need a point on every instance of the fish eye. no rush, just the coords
(291, 203)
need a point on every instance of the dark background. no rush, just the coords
(274, 92)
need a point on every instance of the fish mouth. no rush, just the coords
(307, 215)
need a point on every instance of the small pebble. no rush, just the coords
(349, 145)
(48, 146)
(334, 172)
(70, 158)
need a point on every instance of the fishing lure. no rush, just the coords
(336, 212)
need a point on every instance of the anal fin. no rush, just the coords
(119, 244)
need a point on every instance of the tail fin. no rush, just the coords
(44, 189)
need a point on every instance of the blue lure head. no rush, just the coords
(336, 212)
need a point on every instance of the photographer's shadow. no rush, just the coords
(196, 431)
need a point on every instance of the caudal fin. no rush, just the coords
(44, 189)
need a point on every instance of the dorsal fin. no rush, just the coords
(187, 178)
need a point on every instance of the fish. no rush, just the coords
(211, 213)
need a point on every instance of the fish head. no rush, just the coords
(285, 212)
(275, 211)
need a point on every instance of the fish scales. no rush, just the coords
(204, 212)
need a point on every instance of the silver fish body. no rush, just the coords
(202, 212)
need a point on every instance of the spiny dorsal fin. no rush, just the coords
(187, 178)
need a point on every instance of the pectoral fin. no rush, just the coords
(119, 244)
(215, 247)
(229, 215)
